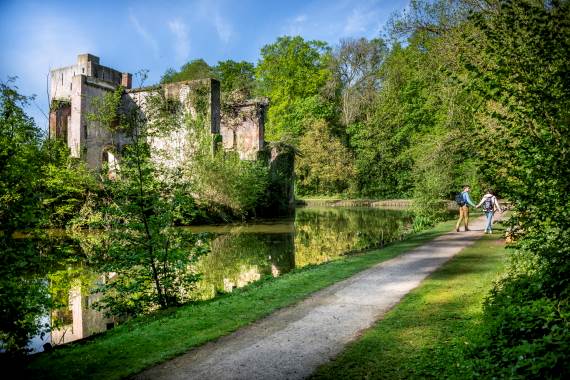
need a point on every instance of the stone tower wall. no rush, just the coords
(73, 89)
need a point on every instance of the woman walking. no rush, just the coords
(490, 206)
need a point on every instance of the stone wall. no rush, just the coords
(61, 80)
(198, 99)
(80, 84)
(242, 127)
(94, 140)
(77, 86)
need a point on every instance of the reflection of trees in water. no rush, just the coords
(127, 285)
(236, 260)
(325, 234)
(74, 317)
(37, 273)
(68, 274)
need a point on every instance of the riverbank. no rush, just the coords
(146, 341)
(380, 203)
(339, 202)
(425, 335)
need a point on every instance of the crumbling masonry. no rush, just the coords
(239, 128)
(73, 89)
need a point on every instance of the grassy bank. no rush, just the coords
(426, 334)
(146, 341)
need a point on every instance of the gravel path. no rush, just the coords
(292, 342)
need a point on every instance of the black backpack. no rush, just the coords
(459, 200)
(488, 204)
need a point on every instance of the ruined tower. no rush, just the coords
(74, 88)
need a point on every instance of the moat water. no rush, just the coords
(241, 254)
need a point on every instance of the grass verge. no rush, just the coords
(426, 334)
(147, 341)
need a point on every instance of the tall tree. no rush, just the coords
(152, 259)
(325, 165)
(23, 300)
(523, 74)
(356, 64)
(40, 186)
(292, 73)
(236, 76)
(196, 69)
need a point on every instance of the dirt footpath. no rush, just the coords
(292, 342)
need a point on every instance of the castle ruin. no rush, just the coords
(73, 89)
(238, 125)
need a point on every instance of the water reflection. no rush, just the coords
(324, 234)
(241, 255)
(238, 259)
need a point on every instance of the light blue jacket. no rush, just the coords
(466, 199)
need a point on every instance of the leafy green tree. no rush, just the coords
(23, 299)
(196, 69)
(236, 76)
(152, 259)
(20, 146)
(40, 186)
(325, 165)
(523, 74)
(292, 73)
(67, 184)
(380, 140)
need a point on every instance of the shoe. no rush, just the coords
(457, 230)
(467, 229)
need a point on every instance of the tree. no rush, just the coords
(524, 77)
(236, 76)
(40, 186)
(325, 166)
(292, 73)
(23, 299)
(196, 69)
(152, 259)
(356, 64)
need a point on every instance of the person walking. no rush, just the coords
(463, 201)
(490, 206)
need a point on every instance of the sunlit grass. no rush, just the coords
(424, 336)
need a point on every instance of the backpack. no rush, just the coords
(488, 204)
(459, 200)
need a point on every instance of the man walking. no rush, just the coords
(464, 202)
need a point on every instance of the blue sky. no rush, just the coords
(156, 35)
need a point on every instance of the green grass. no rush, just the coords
(426, 334)
(147, 341)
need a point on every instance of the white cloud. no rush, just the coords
(182, 39)
(300, 19)
(361, 21)
(223, 27)
(331, 20)
(210, 10)
(296, 25)
(146, 36)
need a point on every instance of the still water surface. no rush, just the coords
(242, 254)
